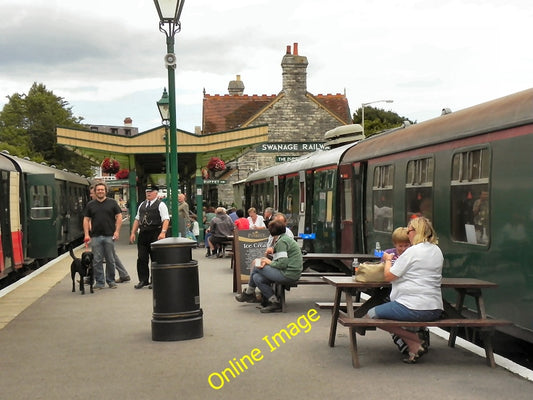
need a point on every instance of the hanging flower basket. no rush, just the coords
(122, 174)
(216, 164)
(110, 166)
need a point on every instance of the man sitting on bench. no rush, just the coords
(221, 229)
(416, 286)
(285, 267)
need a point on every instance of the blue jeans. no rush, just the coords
(122, 272)
(102, 246)
(264, 277)
(399, 312)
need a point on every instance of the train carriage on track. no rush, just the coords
(41, 212)
(469, 171)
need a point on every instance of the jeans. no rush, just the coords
(264, 277)
(122, 272)
(396, 311)
(103, 246)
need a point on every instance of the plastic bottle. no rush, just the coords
(377, 250)
(355, 267)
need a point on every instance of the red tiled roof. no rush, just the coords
(227, 112)
(337, 104)
(224, 113)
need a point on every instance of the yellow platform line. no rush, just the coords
(28, 290)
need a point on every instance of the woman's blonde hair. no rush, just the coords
(424, 231)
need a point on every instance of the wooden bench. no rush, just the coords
(485, 325)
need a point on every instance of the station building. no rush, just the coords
(247, 132)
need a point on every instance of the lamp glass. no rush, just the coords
(163, 106)
(168, 10)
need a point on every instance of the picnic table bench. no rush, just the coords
(485, 325)
(354, 316)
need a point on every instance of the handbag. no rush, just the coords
(370, 272)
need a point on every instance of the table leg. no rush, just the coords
(352, 331)
(458, 308)
(335, 316)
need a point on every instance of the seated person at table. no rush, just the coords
(255, 220)
(400, 240)
(279, 217)
(241, 223)
(416, 278)
(221, 228)
(285, 267)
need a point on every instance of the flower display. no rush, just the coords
(110, 166)
(122, 174)
(216, 164)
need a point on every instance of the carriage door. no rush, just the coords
(275, 203)
(41, 219)
(301, 201)
(5, 231)
(346, 209)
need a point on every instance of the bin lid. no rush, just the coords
(174, 242)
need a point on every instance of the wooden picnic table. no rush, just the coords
(378, 292)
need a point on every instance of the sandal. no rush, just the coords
(413, 357)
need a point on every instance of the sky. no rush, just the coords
(105, 57)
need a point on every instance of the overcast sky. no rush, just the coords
(105, 57)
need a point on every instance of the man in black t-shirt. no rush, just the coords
(101, 224)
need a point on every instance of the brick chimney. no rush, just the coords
(236, 87)
(294, 73)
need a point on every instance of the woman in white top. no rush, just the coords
(256, 221)
(416, 278)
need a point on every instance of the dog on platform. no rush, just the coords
(84, 267)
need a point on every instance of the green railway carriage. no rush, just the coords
(42, 212)
(469, 171)
(305, 190)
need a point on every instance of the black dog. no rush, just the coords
(84, 267)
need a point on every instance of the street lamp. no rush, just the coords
(169, 23)
(363, 111)
(164, 111)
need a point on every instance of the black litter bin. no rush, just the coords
(177, 314)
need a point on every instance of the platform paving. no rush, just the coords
(62, 345)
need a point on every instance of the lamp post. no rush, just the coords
(363, 111)
(164, 111)
(169, 12)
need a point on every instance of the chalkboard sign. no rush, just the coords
(249, 245)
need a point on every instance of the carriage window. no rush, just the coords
(41, 202)
(419, 188)
(346, 201)
(470, 197)
(382, 197)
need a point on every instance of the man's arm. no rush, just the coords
(86, 228)
(118, 224)
(134, 230)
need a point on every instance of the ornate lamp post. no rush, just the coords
(164, 111)
(169, 23)
(363, 111)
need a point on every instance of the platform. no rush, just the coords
(61, 345)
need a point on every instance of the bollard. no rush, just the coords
(177, 314)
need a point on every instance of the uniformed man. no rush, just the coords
(152, 223)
